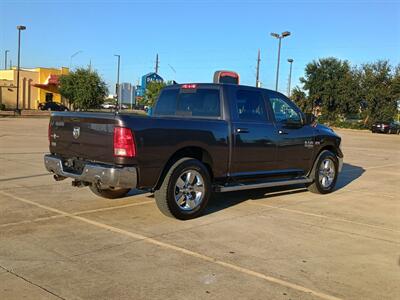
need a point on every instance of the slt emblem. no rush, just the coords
(76, 132)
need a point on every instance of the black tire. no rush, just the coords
(317, 186)
(110, 193)
(169, 190)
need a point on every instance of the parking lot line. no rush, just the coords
(78, 213)
(374, 167)
(161, 244)
(325, 217)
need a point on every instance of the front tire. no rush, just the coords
(325, 174)
(109, 193)
(185, 190)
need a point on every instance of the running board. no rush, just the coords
(239, 187)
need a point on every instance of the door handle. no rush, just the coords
(242, 130)
(280, 131)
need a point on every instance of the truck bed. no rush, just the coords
(156, 139)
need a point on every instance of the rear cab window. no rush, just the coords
(248, 105)
(200, 102)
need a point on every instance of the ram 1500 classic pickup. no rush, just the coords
(200, 139)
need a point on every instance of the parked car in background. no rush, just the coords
(124, 106)
(53, 106)
(108, 105)
(386, 127)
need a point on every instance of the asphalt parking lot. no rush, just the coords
(60, 242)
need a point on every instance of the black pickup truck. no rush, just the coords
(200, 139)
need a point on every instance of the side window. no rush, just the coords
(283, 112)
(250, 105)
(166, 103)
(199, 103)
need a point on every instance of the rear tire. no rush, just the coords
(110, 193)
(325, 173)
(185, 190)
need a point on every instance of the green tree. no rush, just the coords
(153, 90)
(395, 88)
(331, 82)
(380, 90)
(84, 88)
(300, 98)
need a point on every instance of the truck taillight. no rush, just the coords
(124, 142)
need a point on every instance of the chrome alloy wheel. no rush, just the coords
(189, 190)
(327, 173)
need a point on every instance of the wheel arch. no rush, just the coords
(196, 152)
(328, 147)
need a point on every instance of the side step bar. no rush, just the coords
(239, 187)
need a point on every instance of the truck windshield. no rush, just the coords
(197, 103)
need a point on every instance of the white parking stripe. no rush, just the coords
(325, 217)
(179, 249)
(78, 213)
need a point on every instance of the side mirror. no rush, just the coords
(309, 118)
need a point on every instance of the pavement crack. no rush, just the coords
(31, 282)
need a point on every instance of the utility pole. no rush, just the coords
(279, 37)
(20, 27)
(10, 64)
(117, 85)
(5, 59)
(258, 70)
(157, 64)
(290, 61)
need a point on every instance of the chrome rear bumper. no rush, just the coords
(106, 175)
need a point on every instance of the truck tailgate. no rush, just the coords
(83, 135)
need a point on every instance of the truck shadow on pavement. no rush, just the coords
(222, 201)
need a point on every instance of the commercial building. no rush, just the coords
(37, 85)
(127, 93)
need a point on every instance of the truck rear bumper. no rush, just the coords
(106, 175)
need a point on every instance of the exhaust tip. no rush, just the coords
(58, 177)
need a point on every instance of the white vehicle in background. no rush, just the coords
(108, 105)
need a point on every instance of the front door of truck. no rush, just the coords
(253, 144)
(295, 141)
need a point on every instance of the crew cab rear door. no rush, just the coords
(254, 146)
(295, 140)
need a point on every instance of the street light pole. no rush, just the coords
(279, 37)
(5, 59)
(117, 85)
(20, 28)
(290, 60)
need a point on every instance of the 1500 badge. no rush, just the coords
(310, 144)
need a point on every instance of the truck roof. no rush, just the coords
(204, 84)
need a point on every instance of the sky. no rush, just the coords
(195, 38)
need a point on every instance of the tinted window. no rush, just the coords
(199, 103)
(283, 111)
(166, 103)
(250, 105)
